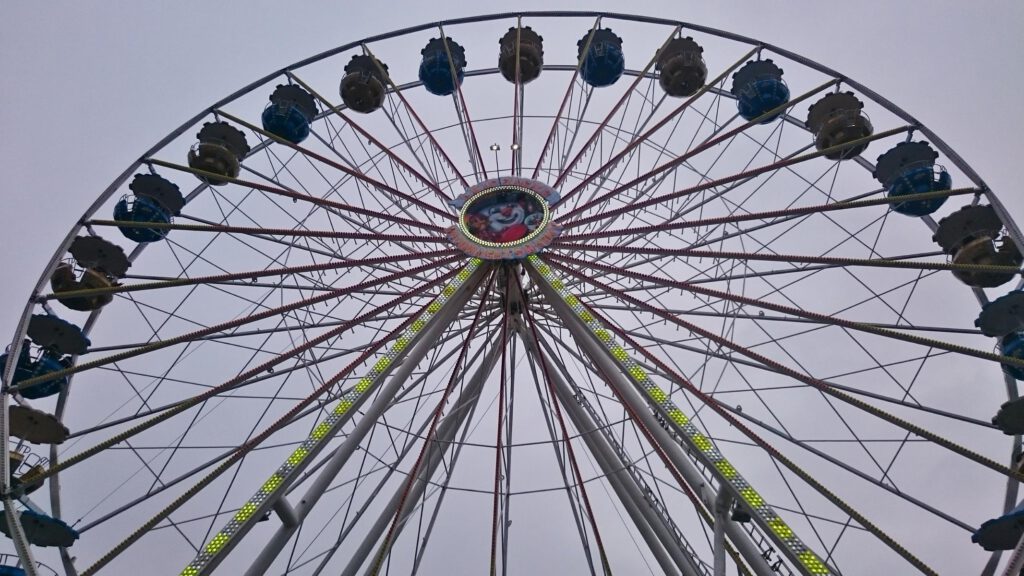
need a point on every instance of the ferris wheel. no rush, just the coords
(539, 293)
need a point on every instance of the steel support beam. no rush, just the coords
(446, 432)
(406, 363)
(670, 555)
(721, 508)
(625, 389)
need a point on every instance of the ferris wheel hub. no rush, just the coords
(505, 218)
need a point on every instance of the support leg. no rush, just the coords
(446, 432)
(665, 548)
(366, 423)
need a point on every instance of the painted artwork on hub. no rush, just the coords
(504, 216)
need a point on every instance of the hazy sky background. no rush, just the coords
(88, 87)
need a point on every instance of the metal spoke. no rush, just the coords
(337, 111)
(397, 92)
(657, 126)
(565, 434)
(818, 317)
(774, 166)
(304, 197)
(600, 128)
(813, 382)
(235, 323)
(306, 340)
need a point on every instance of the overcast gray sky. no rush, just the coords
(88, 87)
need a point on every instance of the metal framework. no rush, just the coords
(735, 358)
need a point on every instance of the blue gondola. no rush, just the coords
(909, 168)
(143, 210)
(154, 200)
(28, 367)
(759, 88)
(604, 62)
(290, 112)
(1013, 347)
(42, 530)
(917, 181)
(436, 68)
(1003, 316)
(10, 565)
(1001, 533)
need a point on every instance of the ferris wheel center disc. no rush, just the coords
(505, 218)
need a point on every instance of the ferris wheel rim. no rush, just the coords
(554, 14)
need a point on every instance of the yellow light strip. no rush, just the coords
(326, 429)
(722, 468)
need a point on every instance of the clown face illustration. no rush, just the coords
(505, 221)
(504, 216)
